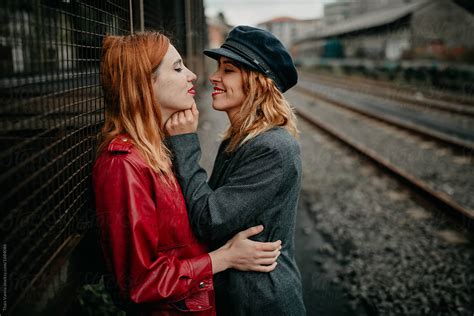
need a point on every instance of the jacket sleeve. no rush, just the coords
(216, 215)
(129, 237)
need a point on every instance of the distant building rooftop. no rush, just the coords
(280, 19)
(369, 20)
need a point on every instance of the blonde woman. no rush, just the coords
(257, 172)
(156, 264)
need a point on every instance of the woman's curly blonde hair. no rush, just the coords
(264, 107)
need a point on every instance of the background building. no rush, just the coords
(288, 29)
(217, 30)
(416, 30)
(342, 10)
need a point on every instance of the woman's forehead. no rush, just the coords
(172, 56)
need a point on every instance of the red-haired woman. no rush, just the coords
(156, 264)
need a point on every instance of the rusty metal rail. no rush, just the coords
(396, 94)
(440, 199)
(453, 142)
(406, 89)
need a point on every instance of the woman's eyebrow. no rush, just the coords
(177, 63)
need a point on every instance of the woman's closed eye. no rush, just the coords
(178, 69)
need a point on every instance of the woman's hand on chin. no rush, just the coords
(183, 122)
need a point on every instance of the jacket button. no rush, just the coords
(202, 285)
(124, 139)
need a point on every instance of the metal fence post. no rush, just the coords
(137, 13)
(189, 33)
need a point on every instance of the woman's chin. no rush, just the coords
(217, 107)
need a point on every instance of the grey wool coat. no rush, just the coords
(259, 183)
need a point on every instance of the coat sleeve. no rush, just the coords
(216, 215)
(129, 237)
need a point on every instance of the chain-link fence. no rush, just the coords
(51, 111)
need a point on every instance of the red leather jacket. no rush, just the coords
(147, 243)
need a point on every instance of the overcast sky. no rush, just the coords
(252, 12)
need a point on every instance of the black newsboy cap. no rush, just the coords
(259, 50)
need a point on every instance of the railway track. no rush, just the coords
(390, 251)
(410, 98)
(456, 142)
(443, 200)
(407, 92)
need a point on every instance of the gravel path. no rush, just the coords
(390, 255)
(443, 170)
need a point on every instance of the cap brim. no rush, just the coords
(217, 53)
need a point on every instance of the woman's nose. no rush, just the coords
(192, 76)
(214, 77)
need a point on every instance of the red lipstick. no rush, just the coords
(217, 91)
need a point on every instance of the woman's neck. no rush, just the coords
(165, 115)
(232, 114)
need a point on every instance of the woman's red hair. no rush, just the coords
(127, 70)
